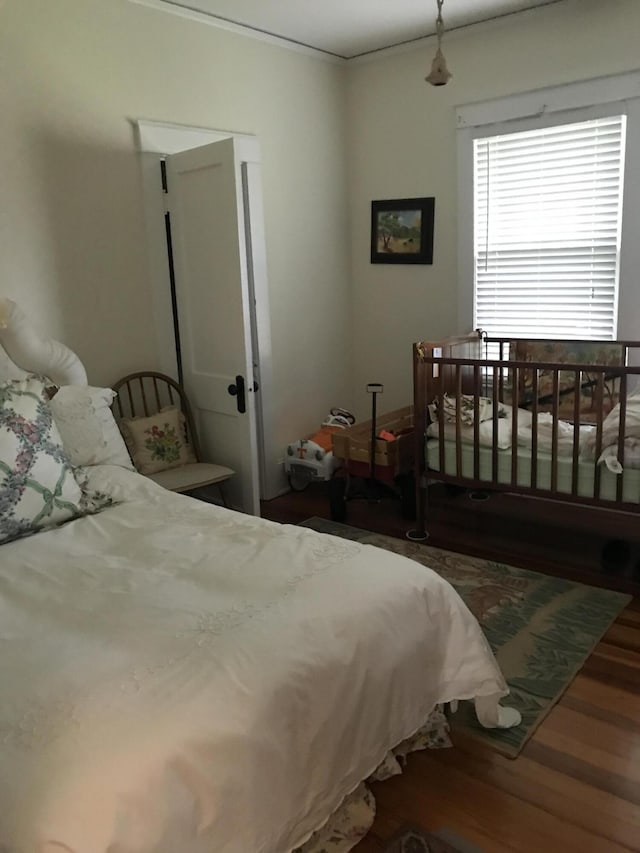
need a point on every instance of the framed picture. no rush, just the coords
(402, 231)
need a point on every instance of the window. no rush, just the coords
(547, 217)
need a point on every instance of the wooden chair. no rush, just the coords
(144, 394)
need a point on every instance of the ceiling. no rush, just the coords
(349, 28)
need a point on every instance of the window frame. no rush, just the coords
(616, 95)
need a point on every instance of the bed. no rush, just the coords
(558, 420)
(177, 676)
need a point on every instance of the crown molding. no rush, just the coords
(451, 33)
(181, 11)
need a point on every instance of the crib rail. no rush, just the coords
(522, 391)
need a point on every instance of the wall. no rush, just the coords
(72, 238)
(402, 143)
(74, 74)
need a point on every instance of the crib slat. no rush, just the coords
(458, 421)
(440, 386)
(554, 430)
(621, 434)
(600, 417)
(494, 443)
(477, 390)
(534, 429)
(577, 384)
(515, 384)
(501, 375)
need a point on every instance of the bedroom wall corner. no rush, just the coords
(402, 143)
(72, 231)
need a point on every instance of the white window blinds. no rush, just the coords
(547, 222)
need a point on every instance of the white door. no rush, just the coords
(205, 202)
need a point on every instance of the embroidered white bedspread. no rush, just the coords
(180, 678)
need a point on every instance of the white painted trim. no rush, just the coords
(628, 291)
(155, 140)
(238, 29)
(260, 327)
(423, 43)
(570, 96)
(619, 94)
(165, 138)
(336, 59)
(466, 275)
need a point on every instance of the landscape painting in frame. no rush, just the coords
(402, 231)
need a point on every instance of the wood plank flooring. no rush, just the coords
(574, 787)
(576, 784)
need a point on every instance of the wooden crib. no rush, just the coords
(553, 419)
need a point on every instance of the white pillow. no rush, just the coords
(89, 431)
(38, 488)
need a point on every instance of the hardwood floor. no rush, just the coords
(576, 784)
(521, 531)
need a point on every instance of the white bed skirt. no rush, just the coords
(353, 819)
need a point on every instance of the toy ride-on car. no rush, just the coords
(311, 459)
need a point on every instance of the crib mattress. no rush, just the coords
(586, 471)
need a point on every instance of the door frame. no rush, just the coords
(154, 141)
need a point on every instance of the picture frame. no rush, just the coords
(402, 231)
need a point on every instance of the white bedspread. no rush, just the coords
(179, 678)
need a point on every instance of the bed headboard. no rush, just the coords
(24, 350)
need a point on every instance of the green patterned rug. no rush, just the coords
(419, 841)
(541, 628)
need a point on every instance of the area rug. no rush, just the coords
(417, 841)
(541, 628)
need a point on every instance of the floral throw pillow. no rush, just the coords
(38, 487)
(157, 442)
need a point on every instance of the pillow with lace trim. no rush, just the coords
(38, 487)
(89, 431)
(158, 442)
